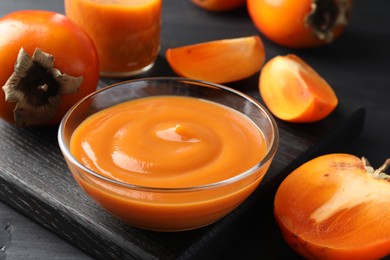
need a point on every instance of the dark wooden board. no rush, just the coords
(35, 180)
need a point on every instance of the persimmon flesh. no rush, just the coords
(219, 5)
(218, 61)
(335, 207)
(293, 91)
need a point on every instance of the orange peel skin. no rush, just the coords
(219, 61)
(219, 5)
(293, 91)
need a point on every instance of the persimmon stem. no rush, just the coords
(36, 87)
(326, 15)
(384, 167)
(380, 172)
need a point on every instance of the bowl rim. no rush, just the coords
(268, 157)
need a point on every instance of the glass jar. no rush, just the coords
(126, 33)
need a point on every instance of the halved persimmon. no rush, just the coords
(293, 91)
(219, 61)
(219, 5)
(336, 206)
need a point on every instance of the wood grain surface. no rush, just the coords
(35, 181)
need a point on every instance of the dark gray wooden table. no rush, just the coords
(357, 66)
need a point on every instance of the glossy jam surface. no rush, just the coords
(169, 142)
(126, 32)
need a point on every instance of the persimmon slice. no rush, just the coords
(219, 61)
(293, 91)
(336, 207)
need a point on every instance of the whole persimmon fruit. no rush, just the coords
(300, 24)
(47, 64)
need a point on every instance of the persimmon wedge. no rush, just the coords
(293, 91)
(219, 61)
(335, 207)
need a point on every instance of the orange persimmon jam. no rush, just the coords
(126, 33)
(169, 144)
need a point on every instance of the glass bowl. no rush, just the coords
(166, 208)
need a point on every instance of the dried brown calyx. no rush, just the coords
(36, 88)
(325, 15)
(377, 173)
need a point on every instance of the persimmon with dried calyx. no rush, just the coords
(47, 64)
(219, 5)
(293, 91)
(300, 24)
(336, 206)
(219, 61)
